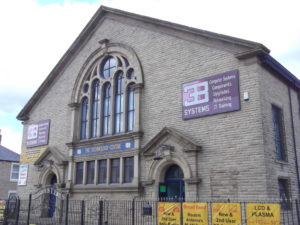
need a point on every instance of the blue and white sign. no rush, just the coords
(105, 148)
(23, 172)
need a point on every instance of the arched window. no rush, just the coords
(130, 108)
(108, 104)
(109, 67)
(119, 101)
(95, 109)
(84, 118)
(106, 109)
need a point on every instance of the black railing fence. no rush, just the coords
(53, 208)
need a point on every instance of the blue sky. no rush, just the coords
(39, 32)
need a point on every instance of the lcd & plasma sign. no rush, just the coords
(263, 214)
(211, 95)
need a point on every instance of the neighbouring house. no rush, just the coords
(9, 169)
(141, 107)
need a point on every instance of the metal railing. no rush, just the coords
(61, 210)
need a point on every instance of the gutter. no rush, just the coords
(294, 141)
(273, 64)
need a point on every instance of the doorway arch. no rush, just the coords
(52, 182)
(172, 189)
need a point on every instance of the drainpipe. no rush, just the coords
(294, 141)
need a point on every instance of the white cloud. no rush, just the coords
(11, 139)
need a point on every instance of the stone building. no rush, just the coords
(9, 167)
(143, 107)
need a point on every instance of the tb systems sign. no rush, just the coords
(38, 134)
(211, 95)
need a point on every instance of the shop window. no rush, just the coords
(14, 172)
(90, 175)
(128, 169)
(102, 171)
(108, 98)
(278, 128)
(115, 171)
(79, 173)
(284, 193)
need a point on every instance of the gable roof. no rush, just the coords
(167, 131)
(254, 48)
(8, 155)
(61, 158)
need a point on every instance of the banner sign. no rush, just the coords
(32, 154)
(168, 213)
(263, 214)
(2, 209)
(38, 134)
(100, 149)
(226, 214)
(211, 95)
(195, 213)
(23, 172)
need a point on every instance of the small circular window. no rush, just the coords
(108, 67)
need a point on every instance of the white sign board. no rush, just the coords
(23, 172)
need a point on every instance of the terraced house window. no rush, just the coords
(108, 98)
(14, 173)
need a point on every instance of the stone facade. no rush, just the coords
(7, 185)
(226, 155)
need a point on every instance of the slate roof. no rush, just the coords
(8, 155)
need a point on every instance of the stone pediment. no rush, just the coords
(166, 139)
(53, 153)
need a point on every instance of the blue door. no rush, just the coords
(52, 196)
(173, 187)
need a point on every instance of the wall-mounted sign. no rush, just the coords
(195, 213)
(32, 154)
(100, 149)
(38, 134)
(263, 214)
(168, 213)
(226, 214)
(23, 172)
(211, 95)
(2, 209)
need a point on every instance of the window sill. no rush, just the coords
(105, 139)
(118, 187)
(282, 162)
